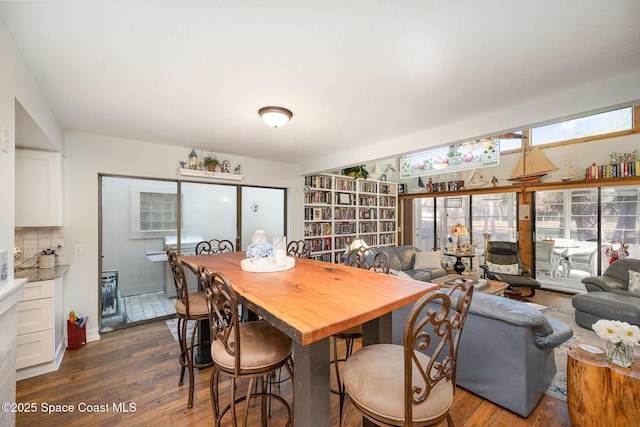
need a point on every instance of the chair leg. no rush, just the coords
(183, 350)
(348, 343)
(189, 356)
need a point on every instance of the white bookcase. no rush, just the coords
(338, 209)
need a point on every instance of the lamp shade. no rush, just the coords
(356, 245)
(275, 116)
(459, 230)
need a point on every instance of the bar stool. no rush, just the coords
(189, 307)
(249, 350)
(369, 259)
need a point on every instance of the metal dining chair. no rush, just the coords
(299, 249)
(190, 307)
(214, 246)
(370, 259)
(414, 383)
(242, 351)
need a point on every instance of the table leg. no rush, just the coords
(311, 388)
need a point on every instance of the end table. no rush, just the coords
(600, 393)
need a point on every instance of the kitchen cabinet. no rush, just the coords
(40, 341)
(38, 189)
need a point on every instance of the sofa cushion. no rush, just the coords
(422, 275)
(427, 260)
(406, 256)
(634, 282)
(394, 260)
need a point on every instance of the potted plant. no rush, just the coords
(211, 163)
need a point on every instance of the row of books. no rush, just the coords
(614, 170)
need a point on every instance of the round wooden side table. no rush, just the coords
(600, 393)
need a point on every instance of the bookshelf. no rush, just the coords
(338, 209)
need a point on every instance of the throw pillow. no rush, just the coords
(427, 260)
(503, 268)
(634, 281)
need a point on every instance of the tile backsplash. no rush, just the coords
(33, 240)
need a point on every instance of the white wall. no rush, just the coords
(16, 83)
(522, 115)
(88, 155)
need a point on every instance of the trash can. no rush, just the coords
(77, 335)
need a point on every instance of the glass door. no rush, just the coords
(263, 209)
(566, 238)
(135, 217)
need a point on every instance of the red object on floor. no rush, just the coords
(77, 335)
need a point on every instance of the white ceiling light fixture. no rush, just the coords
(275, 116)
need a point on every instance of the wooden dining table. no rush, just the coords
(311, 302)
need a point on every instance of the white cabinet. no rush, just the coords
(40, 339)
(338, 209)
(38, 188)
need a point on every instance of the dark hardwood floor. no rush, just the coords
(137, 369)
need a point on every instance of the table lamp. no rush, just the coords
(357, 244)
(459, 230)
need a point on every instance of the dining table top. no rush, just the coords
(314, 299)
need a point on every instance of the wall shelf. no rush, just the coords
(207, 174)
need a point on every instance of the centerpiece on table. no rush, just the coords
(620, 338)
(264, 257)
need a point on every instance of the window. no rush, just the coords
(158, 211)
(154, 209)
(583, 127)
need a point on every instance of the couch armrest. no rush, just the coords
(604, 283)
(561, 333)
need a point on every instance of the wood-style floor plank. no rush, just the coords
(139, 366)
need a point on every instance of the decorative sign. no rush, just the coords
(469, 155)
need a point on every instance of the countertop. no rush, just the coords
(38, 274)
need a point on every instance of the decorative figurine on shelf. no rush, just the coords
(430, 185)
(183, 164)
(236, 170)
(226, 166)
(494, 181)
(193, 160)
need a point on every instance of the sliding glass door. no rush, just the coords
(139, 221)
(566, 237)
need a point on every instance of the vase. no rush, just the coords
(619, 353)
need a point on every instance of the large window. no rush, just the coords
(583, 127)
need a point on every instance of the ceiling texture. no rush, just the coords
(195, 73)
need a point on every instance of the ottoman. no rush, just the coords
(593, 306)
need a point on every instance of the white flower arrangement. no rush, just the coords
(260, 250)
(616, 331)
(619, 337)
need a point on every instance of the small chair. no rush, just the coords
(299, 249)
(248, 350)
(189, 307)
(214, 246)
(583, 261)
(546, 258)
(368, 259)
(502, 263)
(414, 383)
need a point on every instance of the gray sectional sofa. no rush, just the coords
(402, 259)
(608, 296)
(506, 352)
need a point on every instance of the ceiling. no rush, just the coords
(195, 73)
